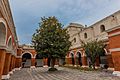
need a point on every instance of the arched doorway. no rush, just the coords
(2, 34)
(103, 59)
(39, 60)
(79, 58)
(26, 60)
(72, 58)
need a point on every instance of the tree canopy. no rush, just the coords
(51, 39)
(93, 49)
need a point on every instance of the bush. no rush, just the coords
(105, 66)
(52, 69)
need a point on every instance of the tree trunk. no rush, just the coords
(93, 66)
(52, 62)
(48, 62)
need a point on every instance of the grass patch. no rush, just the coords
(82, 68)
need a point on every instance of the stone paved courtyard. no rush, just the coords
(63, 74)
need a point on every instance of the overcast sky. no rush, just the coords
(27, 13)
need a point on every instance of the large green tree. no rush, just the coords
(51, 39)
(93, 50)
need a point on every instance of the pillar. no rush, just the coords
(18, 62)
(33, 63)
(116, 61)
(5, 74)
(97, 63)
(84, 61)
(45, 62)
(11, 65)
(2, 61)
(14, 59)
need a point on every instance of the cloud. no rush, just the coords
(27, 13)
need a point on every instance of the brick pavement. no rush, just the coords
(63, 74)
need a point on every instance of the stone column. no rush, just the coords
(14, 59)
(12, 62)
(84, 61)
(45, 62)
(18, 63)
(2, 60)
(5, 74)
(11, 65)
(33, 63)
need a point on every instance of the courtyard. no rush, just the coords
(63, 73)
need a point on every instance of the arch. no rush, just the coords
(9, 43)
(79, 58)
(27, 56)
(71, 54)
(79, 54)
(38, 56)
(72, 58)
(39, 60)
(3, 32)
(26, 60)
(27, 52)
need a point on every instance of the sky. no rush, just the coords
(27, 13)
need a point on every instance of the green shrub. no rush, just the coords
(52, 69)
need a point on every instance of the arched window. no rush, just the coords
(74, 40)
(85, 35)
(102, 28)
(2, 34)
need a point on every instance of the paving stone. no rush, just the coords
(62, 74)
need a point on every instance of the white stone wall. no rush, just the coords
(93, 31)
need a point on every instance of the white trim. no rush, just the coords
(71, 52)
(35, 56)
(56, 65)
(85, 66)
(10, 48)
(3, 47)
(32, 66)
(14, 70)
(27, 52)
(114, 49)
(114, 34)
(77, 53)
(18, 68)
(116, 73)
(6, 76)
(4, 22)
(45, 66)
(11, 72)
(10, 37)
(111, 69)
(18, 57)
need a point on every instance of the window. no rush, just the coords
(85, 35)
(74, 40)
(102, 28)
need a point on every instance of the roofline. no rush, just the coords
(104, 18)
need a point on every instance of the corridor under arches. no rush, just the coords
(39, 60)
(26, 60)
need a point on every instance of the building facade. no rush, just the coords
(8, 40)
(14, 56)
(99, 31)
